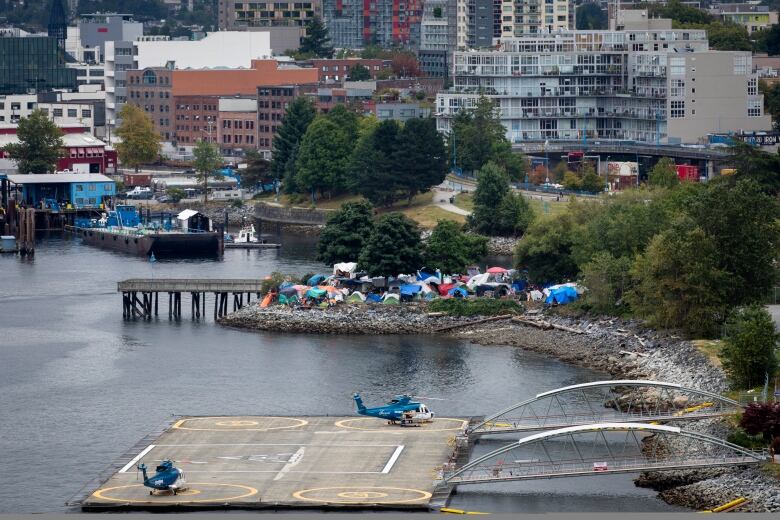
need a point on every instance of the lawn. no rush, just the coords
(545, 208)
(710, 348)
(424, 211)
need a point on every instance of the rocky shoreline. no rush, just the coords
(624, 349)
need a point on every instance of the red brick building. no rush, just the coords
(272, 103)
(336, 71)
(237, 128)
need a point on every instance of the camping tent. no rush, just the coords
(410, 289)
(391, 299)
(561, 294)
(316, 279)
(373, 298)
(356, 297)
(315, 293)
(497, 270)
(459, 291)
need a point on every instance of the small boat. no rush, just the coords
(247, 239)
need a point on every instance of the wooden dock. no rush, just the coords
(140, 296)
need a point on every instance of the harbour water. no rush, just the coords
(79, 385)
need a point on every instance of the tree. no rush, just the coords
(571, 181)
(538, 174)
(678, 281)
(761, 419)
(607, 279)
(771, 100)
(347, 120)
(297, 118)
(742, 223)
(140, 142)
(419, 161)
(591, 182)
(175, 194)
(346, 233)
(492, 185)
(40, 144)
(591, 17)
(753, 163)
(545, 250)
(478, 136)
(393, 247)
(728, 37)
(258, 170)
(749, 346)
(371, 171)
(514, 215)
(679, 13)
(405, 65)
(317, 41)
(207, 160)
(451, 250)
(359, 72)
(560, 171)
(323, 158)
(664, 174)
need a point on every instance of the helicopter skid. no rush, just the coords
(172, 490)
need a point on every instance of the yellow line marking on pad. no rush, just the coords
(236, 425)
(362, 493)
(394, 429)
(101, 494)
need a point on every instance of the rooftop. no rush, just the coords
(57, 178)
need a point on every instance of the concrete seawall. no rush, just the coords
(296, 216)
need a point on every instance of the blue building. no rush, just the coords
(68, 190)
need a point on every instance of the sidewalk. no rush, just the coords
(442, 200)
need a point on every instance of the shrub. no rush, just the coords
(236, 203)
(272, 281)
(478, 307)
(750, 341)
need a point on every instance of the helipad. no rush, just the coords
(276, 462)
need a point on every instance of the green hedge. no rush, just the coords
(477, 307)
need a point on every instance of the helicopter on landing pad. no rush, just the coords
(400, 410)
(167, 478)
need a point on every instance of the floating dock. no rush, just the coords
(251, 245)
(252, 462)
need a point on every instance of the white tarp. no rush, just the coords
(345, 267)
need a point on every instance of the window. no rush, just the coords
(72, 112)
(91, 187)
(677, 88)
(740, 65)
(754, 108)
(677, 66)
(30, 106)
(79, 187)
(149, 78)
(752, 87)
(678, 109)
(57, 112)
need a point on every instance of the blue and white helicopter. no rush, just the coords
(400, 410)
(167, 478)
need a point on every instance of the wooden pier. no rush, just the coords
(140, 296)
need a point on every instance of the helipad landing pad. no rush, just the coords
(307, 462)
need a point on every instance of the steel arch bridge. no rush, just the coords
(623, 401)
(601, 449)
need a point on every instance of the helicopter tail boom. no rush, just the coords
(359, 402)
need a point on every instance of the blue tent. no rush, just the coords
(422, 276)
(410, 289)
(373, 298)
(315, 293)
(284, 285)
(562, 295)
(519, 285)
(459, 290)
(316, 279)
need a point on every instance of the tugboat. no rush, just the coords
(121, 229)
(247, 239)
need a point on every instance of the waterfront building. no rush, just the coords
(237, 124)
(154, 52)
(751, 17)
(83, 152)
(33, 64)
(78, 190)
(241, 14)
(438, 37)
(353, 24)
(337, 70)
(652, 85)
(184, 104)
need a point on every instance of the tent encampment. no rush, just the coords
(316, 279)
(356, 297)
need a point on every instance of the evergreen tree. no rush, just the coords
(140, 142)
(371, 170)
(347, 120)
(419, 161)
(546, 250)
(258, 170)
(664, 174)
(323, 158)
(451, 250)
(316, 43)
(40, 144)
(514, 215)
(393, 247)
(750, 346)
(591, 182)
(297, 118)
(346, 233)
(359, 72)
(492, 185)
(207, 160)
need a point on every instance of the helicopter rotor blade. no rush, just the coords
(431, 398)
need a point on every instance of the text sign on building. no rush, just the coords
(622, 168)
(766, 139)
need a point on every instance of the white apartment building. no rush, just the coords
(535, 16)
(655, 85)
(16, 106)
